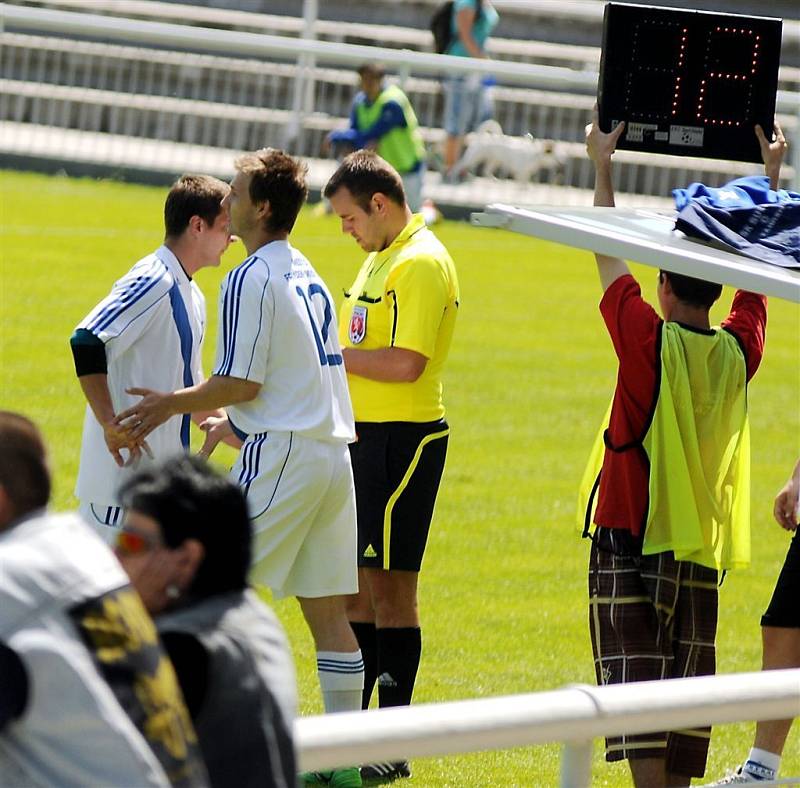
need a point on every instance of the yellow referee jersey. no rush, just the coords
(405, 296)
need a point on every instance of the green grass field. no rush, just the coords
(503, 588)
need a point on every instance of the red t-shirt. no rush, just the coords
(634, 327)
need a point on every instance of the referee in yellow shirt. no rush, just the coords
(395, 324)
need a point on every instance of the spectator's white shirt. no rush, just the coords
(152, 324)
(277, 327)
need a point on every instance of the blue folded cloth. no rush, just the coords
(744, 216)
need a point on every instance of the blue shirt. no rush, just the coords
(485, 20)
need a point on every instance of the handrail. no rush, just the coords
(575, 714)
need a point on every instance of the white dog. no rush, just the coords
(518, 157)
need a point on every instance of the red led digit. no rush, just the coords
(723, 90)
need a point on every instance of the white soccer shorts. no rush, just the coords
(301, 498)
(106, 519)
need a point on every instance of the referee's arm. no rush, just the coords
(386, 364)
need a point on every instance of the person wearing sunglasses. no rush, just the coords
(185, 543)
(87, 694)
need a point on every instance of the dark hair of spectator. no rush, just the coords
(372, 70)
(190, 500)
(364, 174)
(24, 474)
(694, 292)
(280, 180)
(193, 195)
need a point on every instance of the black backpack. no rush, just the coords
(441, 26)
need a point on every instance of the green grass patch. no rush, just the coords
(503, 588)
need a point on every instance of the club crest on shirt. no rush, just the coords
(358, 324)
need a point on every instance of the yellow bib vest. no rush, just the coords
(698, 449)
(403, 148)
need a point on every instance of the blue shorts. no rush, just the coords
(467, 103)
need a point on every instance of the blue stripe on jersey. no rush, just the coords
(181, 319)
(133, 292)
(230, 314)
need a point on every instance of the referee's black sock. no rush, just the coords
(368, 643)
(399, 651)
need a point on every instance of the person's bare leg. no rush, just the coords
(781, 649)
(340, 666)
(652, 773)
(452, 150)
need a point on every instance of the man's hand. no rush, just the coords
(772, 153)
(217, 429)
(152, 410)
(118, 438)
(787, 505)
(599, 145)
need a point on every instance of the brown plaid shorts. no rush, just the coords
(652, 617)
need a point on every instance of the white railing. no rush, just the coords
(574, 715)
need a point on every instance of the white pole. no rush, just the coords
(303, 94)
(576, 764)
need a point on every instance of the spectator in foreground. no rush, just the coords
(672, 471)
(467, 101)
(383, 119)
(186, 544)
(780, 632)
(87, 696)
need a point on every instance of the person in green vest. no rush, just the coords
(667, 489)
(382, 118)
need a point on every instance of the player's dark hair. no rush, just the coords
(364, 174)
(190, 500)
(193, 195)
(691, 291)
(24, 474)
(280, 180)
(372, 69)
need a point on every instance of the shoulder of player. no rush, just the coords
(150, 276)
(253, 269)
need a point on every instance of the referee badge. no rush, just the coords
(358, 324)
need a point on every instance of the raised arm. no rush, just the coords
(772, 153)
(600, 148)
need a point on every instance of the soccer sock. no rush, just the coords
(368, 643)
(762, 764)
(398, 659)
(341, 679)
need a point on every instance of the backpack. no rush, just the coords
(440, 25)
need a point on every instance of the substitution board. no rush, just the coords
(689, 83)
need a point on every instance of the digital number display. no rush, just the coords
(692, 83)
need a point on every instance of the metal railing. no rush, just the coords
(574, 715)
(274, 88)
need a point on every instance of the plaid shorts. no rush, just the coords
(652, 617)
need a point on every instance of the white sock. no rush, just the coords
(341, 679)
(769, 762)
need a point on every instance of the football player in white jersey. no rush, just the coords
(147, 331)
(280, 377)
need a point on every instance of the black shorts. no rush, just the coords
(397, 467)
(784, 608)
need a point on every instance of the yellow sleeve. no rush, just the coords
(419, 293)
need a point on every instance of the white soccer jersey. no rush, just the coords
(277, 327)
(152, 324)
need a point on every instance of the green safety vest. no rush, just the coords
(403, 148)
(698, 449)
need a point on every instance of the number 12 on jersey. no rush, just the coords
(320, 332)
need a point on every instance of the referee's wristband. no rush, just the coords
(89, 353)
